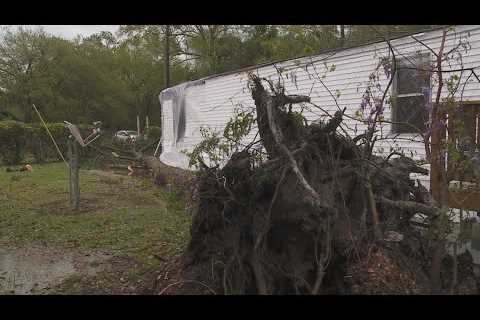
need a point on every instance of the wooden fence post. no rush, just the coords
(74, 176)
(138, 125)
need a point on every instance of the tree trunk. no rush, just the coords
(167, 56)
(438, 174)
(342, 35)
(438, 179)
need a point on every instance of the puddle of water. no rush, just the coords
(27, 271)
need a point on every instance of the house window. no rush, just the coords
(409, 112)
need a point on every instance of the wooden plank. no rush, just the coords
(468, 117)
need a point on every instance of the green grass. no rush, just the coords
(127, 214)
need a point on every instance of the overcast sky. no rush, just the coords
(71, 31)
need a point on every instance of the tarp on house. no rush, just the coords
(176, 114)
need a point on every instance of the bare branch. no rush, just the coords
(277, 135)
(426, 46)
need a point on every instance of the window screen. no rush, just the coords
(411, 112)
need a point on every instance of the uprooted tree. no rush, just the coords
(320, 214)
(293, 223)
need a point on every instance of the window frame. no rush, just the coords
(419, 59)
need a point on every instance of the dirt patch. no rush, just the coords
(123, 186)
(107, 176)
(118, 187)
(36, 270)
(62, 207)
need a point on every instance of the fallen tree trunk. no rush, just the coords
(171, 177)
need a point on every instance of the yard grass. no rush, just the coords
(121, 214)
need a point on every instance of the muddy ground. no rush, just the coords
(36, 270)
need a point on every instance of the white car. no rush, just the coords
(125, 136)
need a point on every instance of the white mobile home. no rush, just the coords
(334, 79)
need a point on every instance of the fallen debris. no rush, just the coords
(26, 167)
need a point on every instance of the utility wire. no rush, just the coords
(50, 134)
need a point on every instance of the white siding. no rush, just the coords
(167, 125)
(214, 101)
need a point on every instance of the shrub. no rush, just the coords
(12, 141)
(40, 144)
(18, 139)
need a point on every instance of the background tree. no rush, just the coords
(114, 77)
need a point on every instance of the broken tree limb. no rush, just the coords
(314, 197)
(334, 123)
(429, 211)
(283, 100)
(125, 167)
(260, 96)
(273, 137)
(374, 211)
